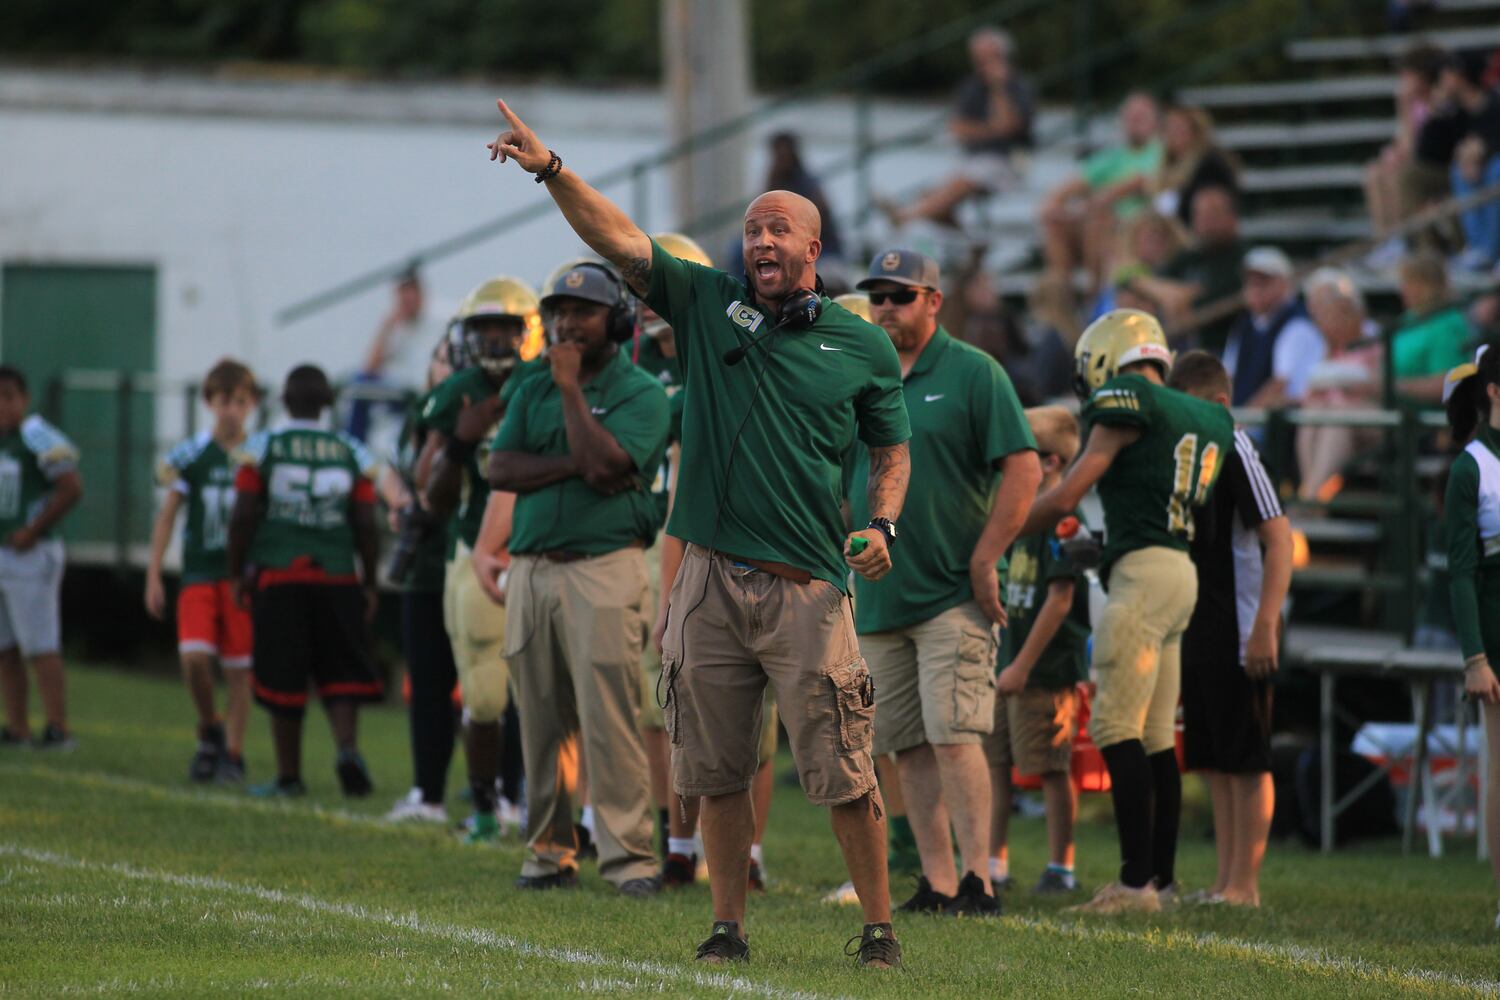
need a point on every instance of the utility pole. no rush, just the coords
(706, 64)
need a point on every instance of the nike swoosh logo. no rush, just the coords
(825, 347)
(932, 399)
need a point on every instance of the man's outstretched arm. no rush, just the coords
(597, 220)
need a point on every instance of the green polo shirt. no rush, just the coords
(571, 515)
(782, 495)
(965, 418)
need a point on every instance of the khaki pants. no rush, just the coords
(573, 638)
(1138, 648)
(476, 631)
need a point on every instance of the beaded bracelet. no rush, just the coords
(551, 170)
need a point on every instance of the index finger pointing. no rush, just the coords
(510, 115)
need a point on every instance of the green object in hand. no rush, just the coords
(858, 545)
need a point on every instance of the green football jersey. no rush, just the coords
(1036, 561)
(201, 472)
(668, 372)
(31, 457)
(1153, 484)
(310, 478)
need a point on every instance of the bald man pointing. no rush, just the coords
(778, 381)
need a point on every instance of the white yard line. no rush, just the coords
(1295, 956)
(419, 925)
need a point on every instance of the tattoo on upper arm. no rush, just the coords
(890, 469)
(637, 274)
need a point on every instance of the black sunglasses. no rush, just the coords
(905, 297)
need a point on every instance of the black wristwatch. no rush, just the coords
(886, 527)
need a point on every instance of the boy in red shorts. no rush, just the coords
(199, 474)
(304, 510)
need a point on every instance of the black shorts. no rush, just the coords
(1226, 716)
(311, 632)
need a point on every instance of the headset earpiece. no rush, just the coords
(620, 324)
(799, 310)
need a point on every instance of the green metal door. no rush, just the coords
(80, 334)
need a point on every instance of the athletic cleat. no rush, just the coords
(757, 877)
(231, 770)
(567, 878)
(641, 888)
(1116, 898)
(12, 741)
(677, 870)
(354, 777)
(725, 944)
(844, 895)
(878, 947)
(925, 900)
(281, 788)
(54, 738)
(1055, 882)
(205, 764)
(971, 900)
(1167, 895)
(412, 807)
(483, 829)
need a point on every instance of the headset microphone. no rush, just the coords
(798, 311)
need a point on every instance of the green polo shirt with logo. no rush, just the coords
(965, 418)
(571, 515)
(785, 415)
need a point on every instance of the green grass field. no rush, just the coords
(117, 877)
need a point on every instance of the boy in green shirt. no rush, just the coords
(1036, 715)
(199, 474)
(38, 485)
(304, 516)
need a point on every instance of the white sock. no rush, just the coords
(587, 820)
(756, 855)
(999, 868)
(680, 845)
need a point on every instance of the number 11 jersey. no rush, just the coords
(201, 472)
(1153, 484)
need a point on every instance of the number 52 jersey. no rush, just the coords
(1152, 486)
(309, 478)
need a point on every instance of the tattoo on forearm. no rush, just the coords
(637, 274)
(890, 469)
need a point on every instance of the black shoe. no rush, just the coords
(971, 899)
(565, 879)
(586, 848)
(641, 888)
(925, 900)
(679, 870)
(54, 738)
(210, 749)
(757, 877)
(11, 740)
(724, 945)
(354, 777)
(878, 947)
(231, 770)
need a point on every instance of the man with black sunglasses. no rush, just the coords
(927, 629)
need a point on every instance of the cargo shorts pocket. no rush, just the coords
(854, 705)
(669, 686)
(974, 683)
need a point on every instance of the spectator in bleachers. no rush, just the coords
(788, 173)
(1206, 272)
(1080, 216)
(1149, 241)
(1476, 159)
(1434, 334)
(1190, 160)
(1272, 346)
(1417, 76)
(1349, 376)
(991, 121)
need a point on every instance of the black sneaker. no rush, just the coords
(54, 738)
(641, 888)
(567, 878)
(354, 777)
(231, 770)
(925, 900)
(878, 947)
(679, 870)
(11, 740)
(757, 877)
(205, 763)
(971, 899)
(724, 945)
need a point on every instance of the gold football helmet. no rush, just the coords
(683, 248)
(856, 302)
(1118, 338)
(500, 298)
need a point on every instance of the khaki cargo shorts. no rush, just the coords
(934, 681)
(747, 628)
(1034, 731)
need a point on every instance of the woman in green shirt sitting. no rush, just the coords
(1472, 519)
